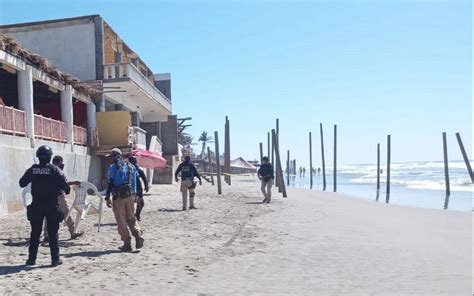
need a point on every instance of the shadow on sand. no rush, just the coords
(169, 210)
(16, 242)
(91, 253)
(105, 224)
(5, 270)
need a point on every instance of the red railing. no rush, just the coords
(50, 129)
(80, 135)
(12, 121)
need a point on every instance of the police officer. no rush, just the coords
(47, 183)
(122, 178)
(139, 198)
(188, 172)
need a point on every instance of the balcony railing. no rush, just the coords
(128, 70)
(137, 137)
(80, 135)
(50, 129)
(12, 121)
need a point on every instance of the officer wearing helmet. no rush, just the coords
(139, 197)
(47, 183)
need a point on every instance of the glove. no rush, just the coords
(147, 189)
(108, 202)
(200, 182)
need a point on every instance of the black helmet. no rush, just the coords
(44, 152)
(132, 159)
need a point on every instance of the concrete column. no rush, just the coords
(25, 99)
(100, 104)
(67, 113)
(135, 118)
(91, 121)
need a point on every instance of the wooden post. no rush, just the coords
(273, 153)
(210, 164)
(322, 155)
(218, 166)
(261, 152)
(387, 197)
(310, 160)
(464, 156)
(278, 161)
(277, 178)
(335, 159)
(227, 152)
(288, 168)
(378, 172)
(446, 169)
(268, 144)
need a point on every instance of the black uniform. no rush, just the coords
(47, 183)
(187, 170)
(141, 175)
(266, 172)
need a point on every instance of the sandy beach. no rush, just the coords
(310, 243)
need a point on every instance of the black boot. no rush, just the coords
(56, 262)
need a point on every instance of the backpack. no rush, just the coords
(125, 189)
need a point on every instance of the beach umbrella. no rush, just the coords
(149, 160)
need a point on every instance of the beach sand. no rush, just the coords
(310, 243)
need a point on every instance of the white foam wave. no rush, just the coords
(459, 184)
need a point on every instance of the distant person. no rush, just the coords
(188, 172)
(139, 198)
(63, 206)
(301, 171)
(304, 171)
(319, 171)
(266, 175)
(381, 171)
(122, 178)
(47, 183)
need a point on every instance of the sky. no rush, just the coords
(374, 68)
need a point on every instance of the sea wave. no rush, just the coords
(402, 168)
(458, 184)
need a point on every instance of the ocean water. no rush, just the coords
(420, 184)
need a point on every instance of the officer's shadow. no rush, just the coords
(24, 242)
(15, 242)
(90, 254)
(5, 270)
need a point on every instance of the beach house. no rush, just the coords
(110, 98)
(41, 105)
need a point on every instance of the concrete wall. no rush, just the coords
(152, 129)
(169, 135)
(70, 46)
(113, 127)
(16, 157)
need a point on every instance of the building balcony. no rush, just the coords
(12, 121)
(50, 129)
(139, 90)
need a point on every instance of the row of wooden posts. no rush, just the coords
(280, 182)
(273, 148)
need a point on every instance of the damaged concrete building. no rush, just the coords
(116, 101)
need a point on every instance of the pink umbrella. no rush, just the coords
(149, 160)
